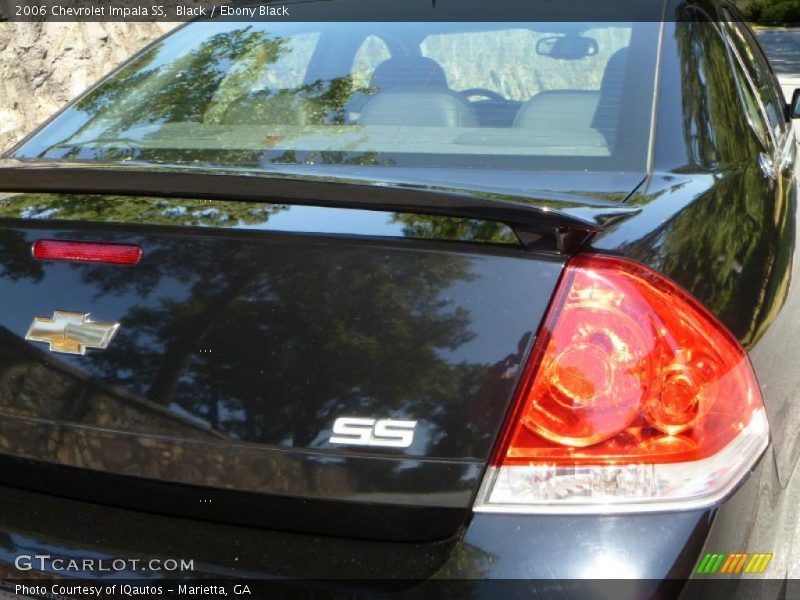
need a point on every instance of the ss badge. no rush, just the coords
(388, 433)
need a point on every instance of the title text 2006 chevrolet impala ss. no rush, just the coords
(440, 293)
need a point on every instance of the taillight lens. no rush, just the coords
(118, 254)
(633, 393)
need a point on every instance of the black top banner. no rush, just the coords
(350, 10)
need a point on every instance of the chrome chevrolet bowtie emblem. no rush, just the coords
(71, 332)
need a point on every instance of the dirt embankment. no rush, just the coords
(44, 65)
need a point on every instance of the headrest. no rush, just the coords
(416, 72)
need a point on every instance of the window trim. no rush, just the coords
(777, 92)
(737, 61)
(777, 137)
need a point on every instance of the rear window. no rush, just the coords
(356, 95)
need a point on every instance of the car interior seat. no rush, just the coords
(573, 116)
(414, 91)
(609, 107)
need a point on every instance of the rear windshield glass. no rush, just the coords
(458, 95)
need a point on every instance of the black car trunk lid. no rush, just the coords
(237, 352)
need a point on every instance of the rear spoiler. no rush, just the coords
(538, 220)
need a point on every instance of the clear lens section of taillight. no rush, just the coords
(634, 397)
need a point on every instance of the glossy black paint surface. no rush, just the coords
(538, 212)
(660, 549)
(237, 351)
(508, 546)
(707, 217)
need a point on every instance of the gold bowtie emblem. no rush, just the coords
(71, 332)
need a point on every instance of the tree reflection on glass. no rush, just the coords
(196, 107)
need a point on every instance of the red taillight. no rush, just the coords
(633, 393)
(629, 368)
(118, 254)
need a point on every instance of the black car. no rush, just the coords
(446, 291)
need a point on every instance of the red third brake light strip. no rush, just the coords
(117, 254)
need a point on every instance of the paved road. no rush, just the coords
(783, 49)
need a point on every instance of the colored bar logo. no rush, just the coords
(720, 562)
